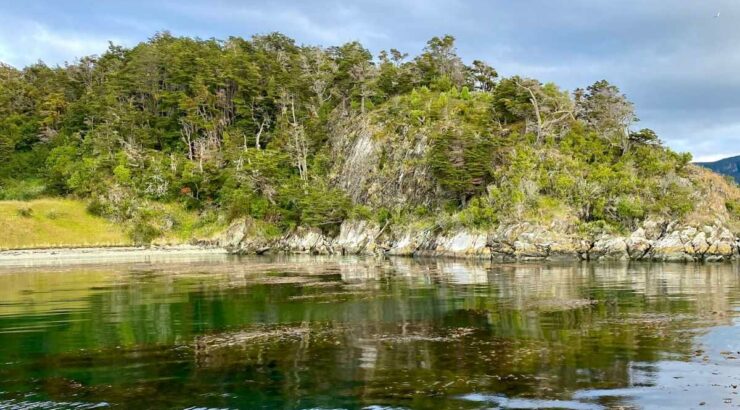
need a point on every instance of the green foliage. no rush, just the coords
(22, 190)
(324, 208)
(461, 162)
(261, 128)
(96, 207)
(478, 214)
(143, 232)
(733, 207)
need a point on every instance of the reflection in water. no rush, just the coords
(315, 332)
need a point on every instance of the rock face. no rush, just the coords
(357, 237)
(526, 242)
(242, 237)
(304, 240)
(457, 244)
(653, 240)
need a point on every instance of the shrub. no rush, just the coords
(733, 207)
(324, 208)
(362, 212)
(478, 214)
(23, 190)
(96, 207)
(629, 209)
(383, 216)
(142, 232)
(25, 212)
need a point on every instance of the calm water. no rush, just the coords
(300, 333)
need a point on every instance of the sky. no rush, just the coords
(677, 60)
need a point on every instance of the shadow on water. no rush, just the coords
(318, 332)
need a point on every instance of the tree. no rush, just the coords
(605, 109)
(552, 108)
(440, 60)
(482, 76)
(645, 136)
(461, 162)
(364, 75)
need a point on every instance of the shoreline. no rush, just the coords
(94, 255)
(71, 256)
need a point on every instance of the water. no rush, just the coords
(331, 333)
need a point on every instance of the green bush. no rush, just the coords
(478, 214)
(324, 208)
(361, 212)
(22, 190)
(630, 209)
(96, 207)
(733, 207)
(383, 216)
(143, 232)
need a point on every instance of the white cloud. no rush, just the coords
(25, 42)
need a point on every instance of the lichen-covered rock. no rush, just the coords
(671, 248)
(638, 244)
(458, 244)
(609, 247)
(722, 245)
(233, 236)
(405, 243)
(305, 240)
(699, 243)
(518, 241)
(242, 237)
(654, 240)
(531, 242)
(688, 243)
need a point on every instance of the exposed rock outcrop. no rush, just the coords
(357, 237)
(457, 244)
(524, 241)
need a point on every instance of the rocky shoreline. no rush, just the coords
(558, 241)
(653, 240)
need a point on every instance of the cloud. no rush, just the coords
(28, 42)
(673, 58)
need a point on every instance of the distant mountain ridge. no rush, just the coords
(727, 166)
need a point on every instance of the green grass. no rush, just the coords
(45, 223)
(189, 226)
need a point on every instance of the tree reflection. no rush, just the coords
(313, 332)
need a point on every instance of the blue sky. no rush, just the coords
(678, 62)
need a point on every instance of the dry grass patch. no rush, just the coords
(46, 223)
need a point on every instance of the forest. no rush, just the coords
(297, 135)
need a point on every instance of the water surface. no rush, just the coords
(330, 333)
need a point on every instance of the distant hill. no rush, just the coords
(728, 166)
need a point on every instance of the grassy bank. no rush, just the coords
(44, 223)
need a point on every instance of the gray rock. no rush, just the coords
(609, 247)
(357, 237)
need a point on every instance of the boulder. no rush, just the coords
(306, 240)
(671, 248)
(241, 237)
(638, 245)
(609, 248)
